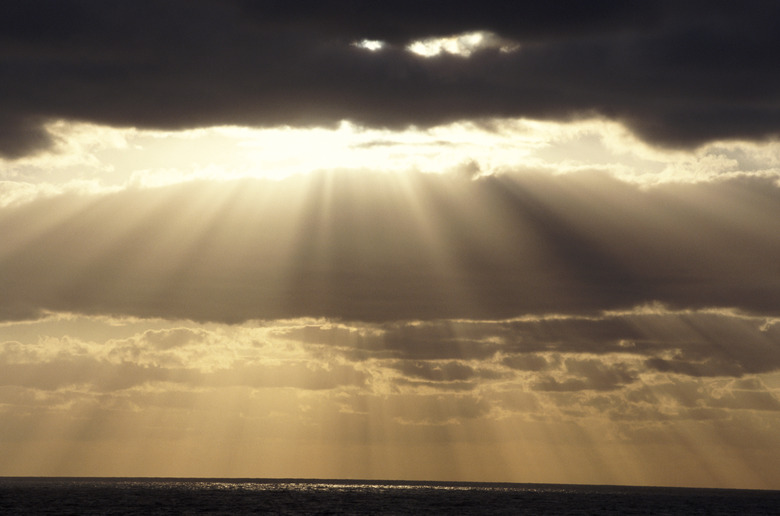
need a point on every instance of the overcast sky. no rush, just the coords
(499, 241)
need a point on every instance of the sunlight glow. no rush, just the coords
(95, 159)
(372, 45)
(463, 45)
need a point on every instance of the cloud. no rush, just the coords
(173, 338)
(600, 352)
(448, 371)
(125, 365)
(79, 371)
(588, 374)
(374, 247)
(677, 74)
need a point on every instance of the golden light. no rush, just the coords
(462, 45)
(182, 224)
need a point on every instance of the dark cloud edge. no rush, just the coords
(678, 74)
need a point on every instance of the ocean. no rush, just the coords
(105, 496)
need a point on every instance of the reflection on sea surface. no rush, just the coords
(289, 496)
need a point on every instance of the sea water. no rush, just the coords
(30, 495)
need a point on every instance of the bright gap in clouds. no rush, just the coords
(461, 44)
(93, 158)
(370, 44)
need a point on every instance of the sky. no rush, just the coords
(423, 240)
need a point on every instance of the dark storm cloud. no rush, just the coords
(677, 73)
(359, 246)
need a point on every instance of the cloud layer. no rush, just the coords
(677, 74)
(643, 382)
